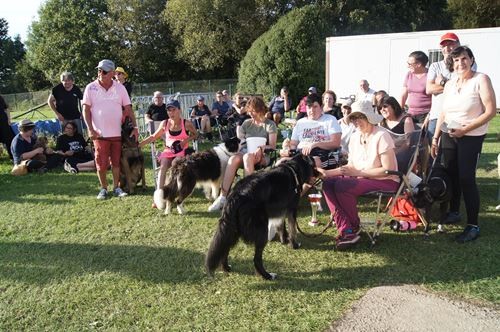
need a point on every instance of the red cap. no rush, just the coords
(449, 36)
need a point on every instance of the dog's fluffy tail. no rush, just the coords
(225, 237)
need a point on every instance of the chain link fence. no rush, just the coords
(26, 100)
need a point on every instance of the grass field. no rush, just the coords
(70, 262)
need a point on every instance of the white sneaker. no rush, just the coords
(218, 204)
(103, 193)
(119, 192)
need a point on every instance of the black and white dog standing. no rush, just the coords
(205, 168)
(264, 195)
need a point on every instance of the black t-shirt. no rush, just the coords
(128, 87)
(3, 107)
(74, 143)
(200, 112)
(157, 113)
(67, 101)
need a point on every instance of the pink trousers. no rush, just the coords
(341, 195)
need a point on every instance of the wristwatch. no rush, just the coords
(443, 82)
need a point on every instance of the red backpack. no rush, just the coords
(403, 209)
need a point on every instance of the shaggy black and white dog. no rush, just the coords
(265, 195)
(205, 168)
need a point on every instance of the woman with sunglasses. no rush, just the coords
(74, 149)
(178, 132)
(371, 153)
(395, 119)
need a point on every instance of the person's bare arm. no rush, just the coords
(52, 104)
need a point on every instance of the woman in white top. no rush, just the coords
(468, 106)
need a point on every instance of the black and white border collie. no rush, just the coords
(204, 168)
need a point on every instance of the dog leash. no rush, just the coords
(311, 236)
(298, 190)
(298, 187)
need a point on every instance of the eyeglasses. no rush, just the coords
(102, 71)
(356, 117)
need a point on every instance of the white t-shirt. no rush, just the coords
(435, 69)
(365, 96)
(308, 131)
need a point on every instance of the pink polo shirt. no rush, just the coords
(106, 107)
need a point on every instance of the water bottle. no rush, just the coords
(402, 225)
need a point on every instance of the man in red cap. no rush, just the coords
(437, 77)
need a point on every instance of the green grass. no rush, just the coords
(70, 262)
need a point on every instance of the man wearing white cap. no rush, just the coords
(105, 103)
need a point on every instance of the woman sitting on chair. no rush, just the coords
(371, 153)
(178, 132)
(395, 119)
(257, 126)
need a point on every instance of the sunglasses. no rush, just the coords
(356, 117)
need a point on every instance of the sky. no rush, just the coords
(19, 14)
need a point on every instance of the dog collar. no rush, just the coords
(298, 187)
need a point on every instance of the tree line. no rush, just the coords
(267, 41)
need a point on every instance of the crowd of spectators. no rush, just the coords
(450, 100)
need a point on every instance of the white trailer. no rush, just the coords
(381, 59)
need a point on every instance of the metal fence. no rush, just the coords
(26, 100)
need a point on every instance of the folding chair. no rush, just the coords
(408, 148)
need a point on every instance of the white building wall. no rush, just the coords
(382, 58)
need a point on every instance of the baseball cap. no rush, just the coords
(200, 98)
(449, 36)
(312, 89)
(106, 65)
(173, 103)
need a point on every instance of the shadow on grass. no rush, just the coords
(41, 263)
(38, 186)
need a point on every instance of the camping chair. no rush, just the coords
(408, 147)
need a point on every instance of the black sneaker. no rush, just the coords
(470, 233)
(452, 218)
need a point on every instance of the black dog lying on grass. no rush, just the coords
(255, 199)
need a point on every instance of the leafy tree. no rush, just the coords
(291, 53)
(213, 35)
(68, 37)
(11, 51)
(142, 40)
(474, 13)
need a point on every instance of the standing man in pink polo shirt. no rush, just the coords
(105, 103)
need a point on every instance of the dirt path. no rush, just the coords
(410, 308)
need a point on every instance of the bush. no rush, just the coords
(291, 53)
